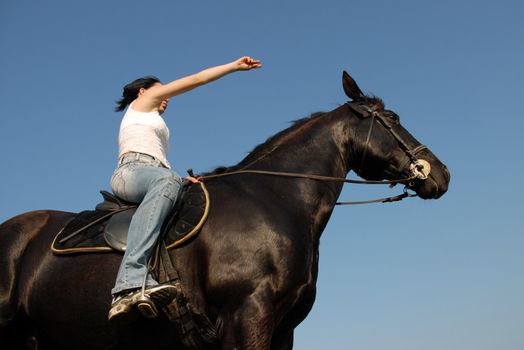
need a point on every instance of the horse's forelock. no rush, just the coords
(375, 103)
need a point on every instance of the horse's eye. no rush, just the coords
(393, 117)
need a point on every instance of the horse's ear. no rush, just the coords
(351, 88)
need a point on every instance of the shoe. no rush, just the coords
(154, 298)
(123, 309)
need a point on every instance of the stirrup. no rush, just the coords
(146, 307)
(152, 299)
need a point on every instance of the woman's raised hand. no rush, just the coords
(247, 63)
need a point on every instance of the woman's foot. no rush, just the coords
(156, 298)
(125, 306)
(123, 309)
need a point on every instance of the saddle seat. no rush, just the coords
(113, 202)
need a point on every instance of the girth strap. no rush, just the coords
(195, 330)
(166, 269)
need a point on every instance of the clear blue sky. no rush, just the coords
(433, 275)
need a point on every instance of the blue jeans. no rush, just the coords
(142, 179)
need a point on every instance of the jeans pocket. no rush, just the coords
(172, 188)
(118, 184)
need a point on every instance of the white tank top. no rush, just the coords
(144, 132)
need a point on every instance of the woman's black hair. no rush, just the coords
(131, 90)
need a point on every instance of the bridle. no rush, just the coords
(419, 168)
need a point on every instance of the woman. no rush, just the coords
(145, 176)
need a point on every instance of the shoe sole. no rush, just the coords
(124, 318)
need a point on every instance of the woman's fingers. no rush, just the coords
(247, 62)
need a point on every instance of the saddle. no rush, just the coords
(105, 228)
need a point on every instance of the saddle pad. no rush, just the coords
(193, 214)
(89, 231)
(83, 233)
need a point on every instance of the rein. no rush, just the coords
(327, 178)
(419, 168)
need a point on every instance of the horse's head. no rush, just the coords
(383, 149)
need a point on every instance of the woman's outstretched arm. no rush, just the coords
(152, 97)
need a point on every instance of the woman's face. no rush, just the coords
(164, 103)
(163, 106)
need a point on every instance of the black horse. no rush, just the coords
(253, 268)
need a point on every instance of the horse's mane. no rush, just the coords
(279, 138)
(269, 145)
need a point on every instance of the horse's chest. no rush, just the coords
(295, 306)
(300, 296)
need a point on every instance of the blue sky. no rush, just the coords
(445, 274)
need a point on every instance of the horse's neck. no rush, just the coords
(316, 147)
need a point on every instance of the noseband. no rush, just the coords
(419, 168)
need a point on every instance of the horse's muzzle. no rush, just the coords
(434, 186)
